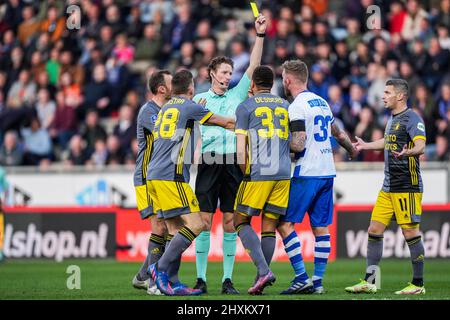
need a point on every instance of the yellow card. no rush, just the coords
(254, 9)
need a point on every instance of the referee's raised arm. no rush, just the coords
(255, 57)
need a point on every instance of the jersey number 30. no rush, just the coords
(283, 116)
(322, 122)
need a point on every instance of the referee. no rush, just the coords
(219, 175)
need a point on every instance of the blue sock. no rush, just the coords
(293, 249)
(322, 250)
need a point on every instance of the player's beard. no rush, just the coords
(287, 93)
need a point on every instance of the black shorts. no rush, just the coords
(217, 182)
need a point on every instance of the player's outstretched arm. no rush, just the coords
(255, 57)
(360, 144)
(344, 141)
(417, 150)
(224, 122)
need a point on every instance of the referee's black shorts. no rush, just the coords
(217, 181)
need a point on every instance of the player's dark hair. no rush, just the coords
(156, 80)
(399, 85)
(216, 62)
(263, 77)
(181, 82)
(297, 68)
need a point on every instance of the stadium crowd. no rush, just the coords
(72, 95)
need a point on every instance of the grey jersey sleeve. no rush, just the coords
(416, 127)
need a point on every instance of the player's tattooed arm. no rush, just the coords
(344, 141)
(298, 141)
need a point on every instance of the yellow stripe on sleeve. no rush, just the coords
(240, 131)
(419, 137)
(206, 117)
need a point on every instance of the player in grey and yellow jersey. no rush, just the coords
(263, 135)
(168, 178)
(401, 195)
(160, 86)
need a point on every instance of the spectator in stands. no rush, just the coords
(202, 83)
(339, 107)
(45, 108)
(11, 153)
(99, 155)
(92, 130)
(29, 27)
(118, 77)
(411, 26)
(407, 73)
(396, 17)
(438, 65)
(353, 34)
(53, 66)
(114, 19)
(67, 65)
(147, 49)
(423, 103)
(181, 29)
(125, 130)
(366, 124)
(419, 57)
(285, 36)
(130, 157)
(376, 90)
(115, 155)
(71, 90)
(64, 124)
(319, 82)
(444, 101)
(301, 52)
(123, 51)
(97, 93)
(76, 155)
(37, 144)
(134, 24)
(357, 101)
(241, 59)
(443, 36)
(341, 66)
(374, 155)
(306, 33)
(442, 152)
(106, 42)
(53, 25)
(93, 24)
(22, 92)
(444, 14)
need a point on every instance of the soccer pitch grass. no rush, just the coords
(107, 279)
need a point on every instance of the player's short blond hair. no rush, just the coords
(297, 68)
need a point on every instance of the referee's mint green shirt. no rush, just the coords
(216, 139)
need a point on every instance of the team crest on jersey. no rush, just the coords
(153, 118)
(421, 126)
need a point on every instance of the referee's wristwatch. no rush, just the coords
(261, 35)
